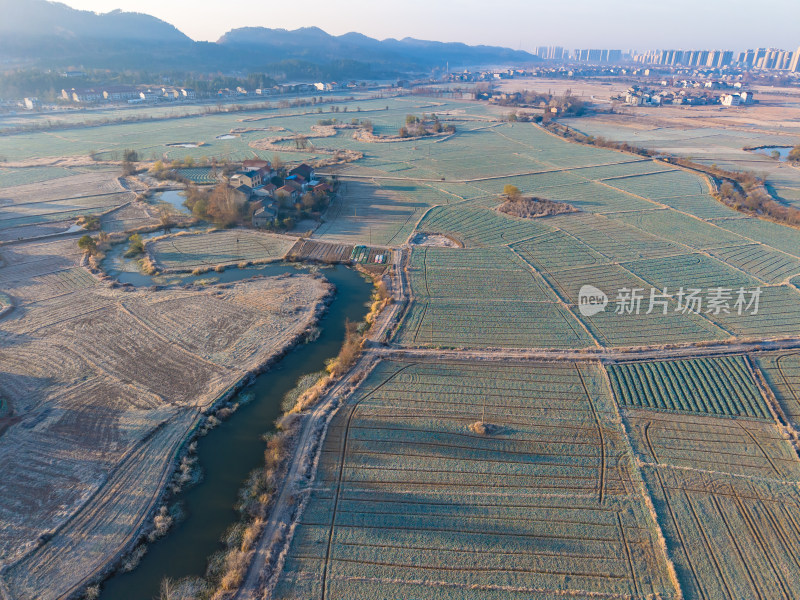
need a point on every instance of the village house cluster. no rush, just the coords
(258, 183)
(134, 94)
(122, 93)
(694, 95)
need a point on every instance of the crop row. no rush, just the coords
(510, 324)
(703, 206)
(730, 538)
(198, 174)
(664, 184)
(479, 227)
(408, 492)
(219, 247)
(760, 261)
(614, 238)
(782, 372)
(690, 271)
(741, 447)
(15, 177)
(508, 279)
(681, 229)
(721, 386)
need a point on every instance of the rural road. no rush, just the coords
(612, 354)
(303, 455)
(476, 179)
(305, 451)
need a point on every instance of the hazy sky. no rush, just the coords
(640, 24)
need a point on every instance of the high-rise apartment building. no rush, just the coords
(794, 65)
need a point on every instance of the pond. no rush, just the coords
(235, 448)
(174, 198)
(783, 152)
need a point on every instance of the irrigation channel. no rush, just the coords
(228, 453)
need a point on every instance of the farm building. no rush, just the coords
(289, 191)
(249, 177)
(265, 215)
(304, 171)
(244, 191)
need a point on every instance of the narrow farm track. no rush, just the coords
(477, 179)
(602, 468)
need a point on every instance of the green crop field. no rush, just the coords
(410, 503)
(762, 262)
(662, 184)
(744, 447)
(717, 386)
(729, 537)
(477, 227)
(770, 234)
(782, 372)
(702, 206)
(207, 250)
(484, 297)
(14, 177)
(200, 175)
(615, 239)
(779, 306)
(682, 229)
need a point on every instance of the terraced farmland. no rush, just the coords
(408, 497)
(715, 386)
(226, 247)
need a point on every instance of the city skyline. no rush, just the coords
(735, 25)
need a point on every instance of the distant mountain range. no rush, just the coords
(51, 34)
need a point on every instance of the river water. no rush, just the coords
(231, 451)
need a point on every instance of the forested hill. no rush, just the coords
(52, 35)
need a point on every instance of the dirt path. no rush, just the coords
(603, 354)
(476, 179)
(302, 471)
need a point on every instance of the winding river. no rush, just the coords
(235, 448)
